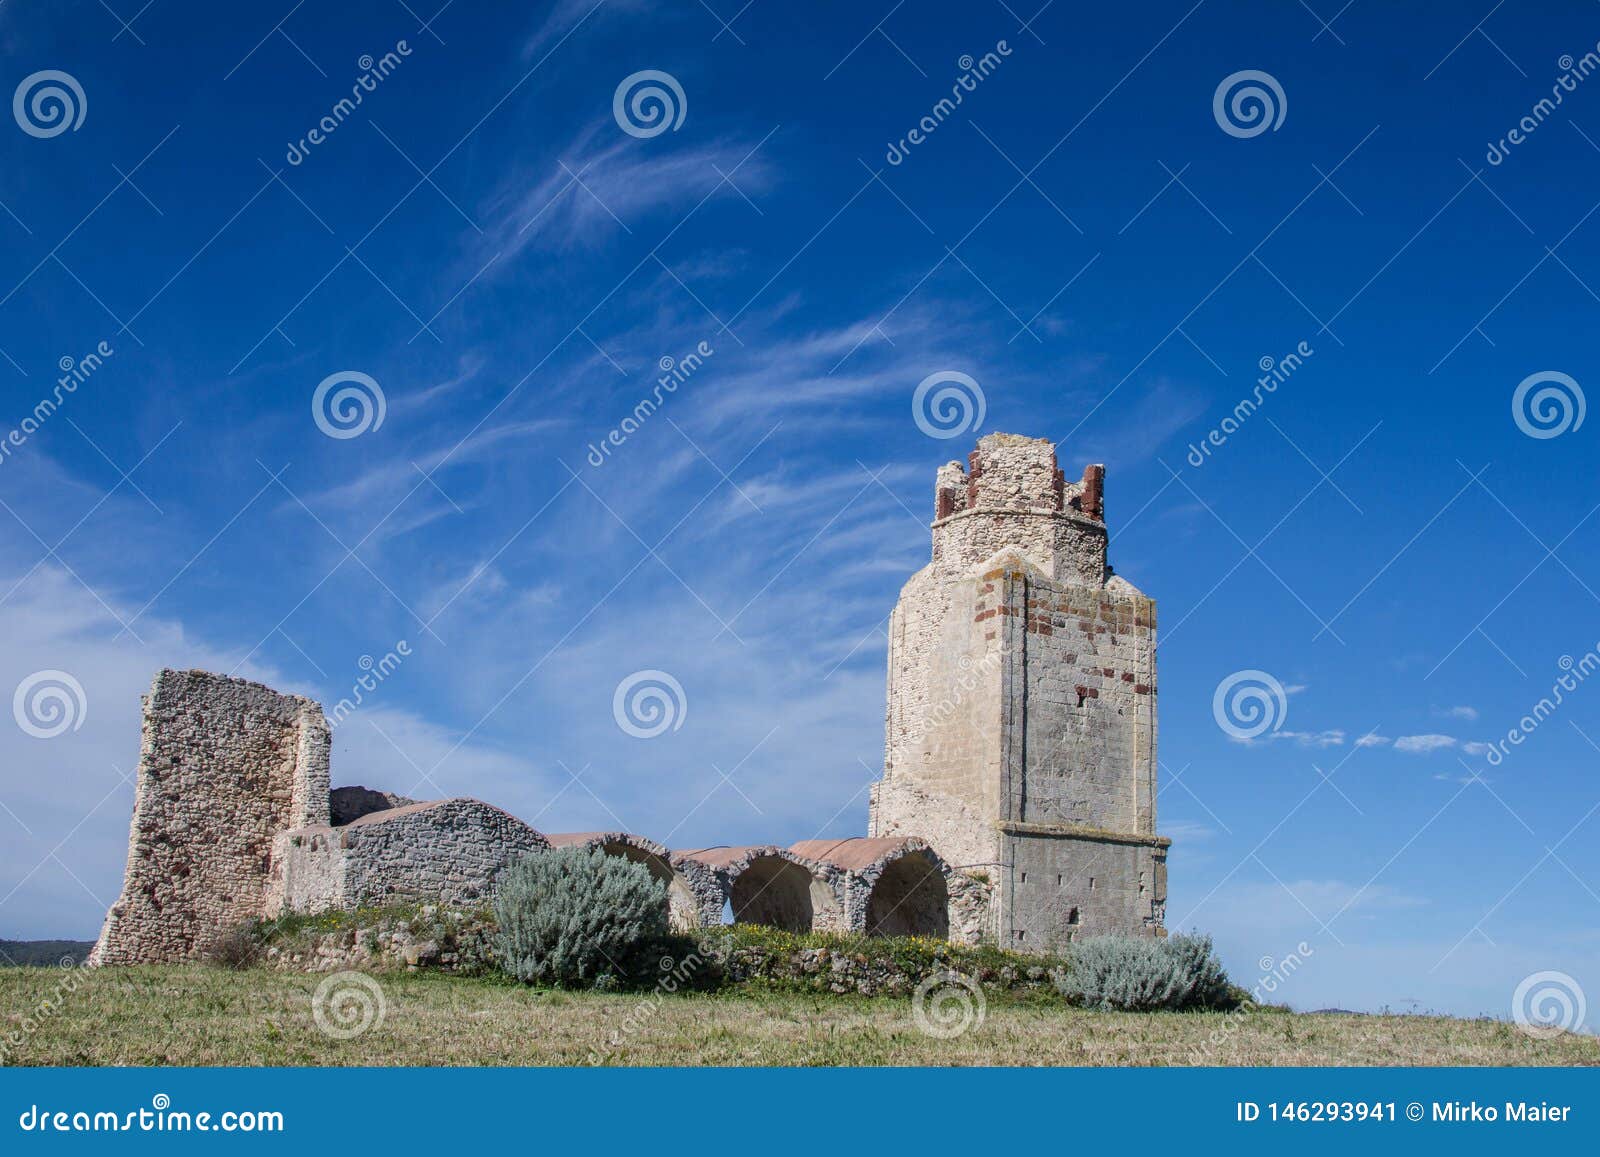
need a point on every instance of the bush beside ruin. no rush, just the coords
(576, 915)
(1121, 973)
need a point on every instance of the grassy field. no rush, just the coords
(197, 1015)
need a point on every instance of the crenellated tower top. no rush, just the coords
(1012, 493)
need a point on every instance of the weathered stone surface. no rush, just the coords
(449, 852)
(347, 804)
(224, 766)
(899, 886)
(773, 886)
(1021, 721)
(832, 971)
(431, 937)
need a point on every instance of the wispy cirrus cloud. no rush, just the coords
(567, 17)
(600, 188)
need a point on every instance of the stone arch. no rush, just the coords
(910, 898)
(892, 886)
(773, 886)
(684, 902)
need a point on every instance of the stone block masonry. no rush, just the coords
(1017, 805)
(1021, 722)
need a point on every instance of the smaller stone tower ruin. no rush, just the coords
(1021, 723)
(225, 765)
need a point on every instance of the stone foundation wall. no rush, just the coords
(1058, 885)
(224, 766)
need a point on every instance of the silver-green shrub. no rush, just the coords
(576, 915)
(1136, 974)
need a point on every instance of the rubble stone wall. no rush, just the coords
(449, 852)
(224, 766)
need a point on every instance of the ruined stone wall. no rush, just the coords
(225, 765)
(449, 851)
(766, 884)
(347, 804)
(1013, 495)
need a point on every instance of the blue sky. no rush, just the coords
(1080, 236)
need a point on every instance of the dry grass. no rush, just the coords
(206, 1016)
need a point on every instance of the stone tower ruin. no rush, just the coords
(1017, 805)
(1021, 723)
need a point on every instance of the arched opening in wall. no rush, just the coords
(683, 909)
(909, 899)
(780, 894)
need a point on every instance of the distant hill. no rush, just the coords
(20, 952)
